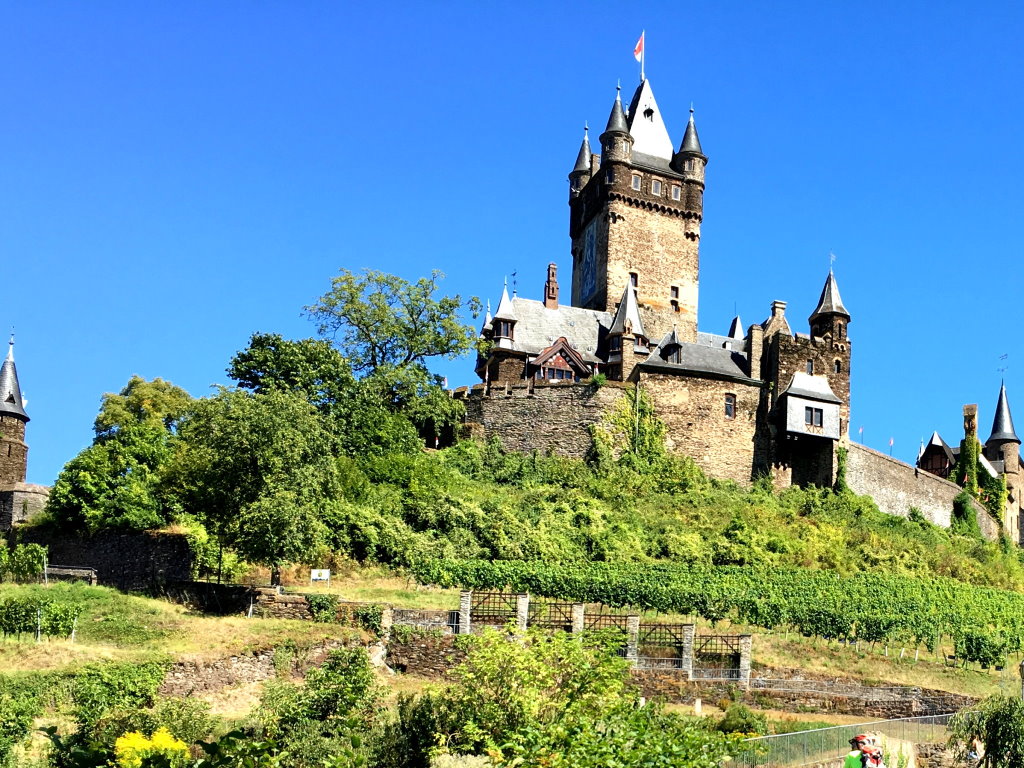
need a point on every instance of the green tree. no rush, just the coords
(116, 481)
(998, 723)
(383, 321)
(259, 470)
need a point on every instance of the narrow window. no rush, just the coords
(504, 329)
(839, 366)
(730, 406)
(689, 164)
(808, 416)
(636, 181)
(839, 328)
(674, 292)
(810, 367)
(818, 416)
(677, 193)
(634, 279)
(609, 176)
(656, 188)
(615, 344)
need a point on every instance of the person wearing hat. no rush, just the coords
(854, 759)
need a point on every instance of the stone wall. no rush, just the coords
(13, 450)
(694, 413)
(896, 487)
(838, 696)
(424, 652)
(128, 561)
(537, 415)
(21, 501)
(186, 678)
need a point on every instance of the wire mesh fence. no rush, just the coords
(805, 748)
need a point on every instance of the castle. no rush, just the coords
(18, 500)
(757, 401)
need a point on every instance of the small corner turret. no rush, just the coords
(616, 142)
(581, 171)
(829, 318)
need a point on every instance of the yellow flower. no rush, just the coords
(131, 748)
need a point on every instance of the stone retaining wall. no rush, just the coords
(424, 652)
(186, 678)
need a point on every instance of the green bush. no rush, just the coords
(739, 718)
(323, 608)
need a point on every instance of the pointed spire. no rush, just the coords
(691, 143)
(505, 310)
(583, 158)
(11, 400)
(628, 311)
(617, 119)
(488, 317)
(1002, 424)
(830, 302)
(736, 329)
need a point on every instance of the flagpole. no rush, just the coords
(643, 54)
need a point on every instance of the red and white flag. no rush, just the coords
(890, 442)
(638, 51)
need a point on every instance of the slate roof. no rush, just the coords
(811, 387)
(628, 310)
(691, 142)
(646, 125)
(701, 360)
(830, 302)
(583, 158)
(505, 309)
(617, 118)
(11, 400)
(538, 327)
(1002, 424)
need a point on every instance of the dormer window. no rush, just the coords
(672, 354)
(656, 188)
(503, 329)
(615, 344)
(636, 181)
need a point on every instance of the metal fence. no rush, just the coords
(790, 750)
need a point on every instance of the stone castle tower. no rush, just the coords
(635, 216)
(18, 499)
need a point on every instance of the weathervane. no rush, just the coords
(1005, 365)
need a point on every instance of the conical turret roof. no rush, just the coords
(1002, 424)
(583, 158)
(11, 400)
(830, 302)
(628, 310)
(736, 329)
(691, 142)
(505, 310)
(617, 119)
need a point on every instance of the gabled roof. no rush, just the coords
(811, 387)
(646, 125)
(1002, 424)
(936, 443)
(628, 310)
(563, 348)
(583, 158)
(830, 302)
(11, 400)
(691, 142)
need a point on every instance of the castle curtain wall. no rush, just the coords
(694, 411)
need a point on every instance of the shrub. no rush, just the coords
(741, 719)
(323, 608)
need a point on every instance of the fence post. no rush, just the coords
(746, 644)
(632, 639)
(686, 652)
(465, 608)
(522, 613)
(578, 610)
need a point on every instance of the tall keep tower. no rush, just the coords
(635, 216)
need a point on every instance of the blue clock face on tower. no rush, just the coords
(588, 268)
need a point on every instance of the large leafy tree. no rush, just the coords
(998, 724)
(259, 470)
(383, 321)
(116, 481)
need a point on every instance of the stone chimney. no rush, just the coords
(971, 421)
(551, 287)
(777, 323)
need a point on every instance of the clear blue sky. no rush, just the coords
(178, 175)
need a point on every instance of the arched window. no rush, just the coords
(730, 406)
(839, 366)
